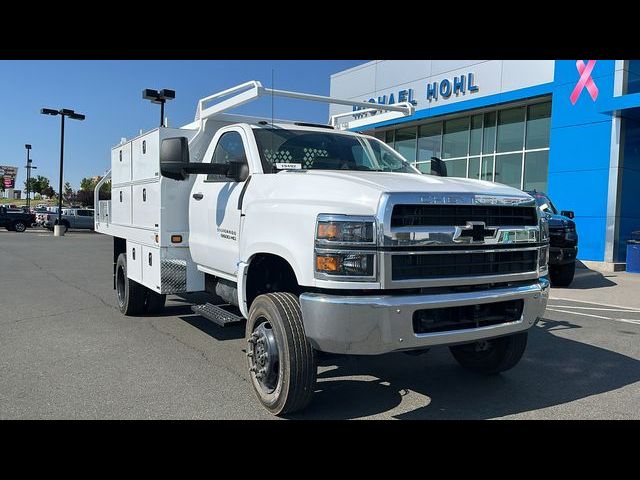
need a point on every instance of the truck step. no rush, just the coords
(217, 314)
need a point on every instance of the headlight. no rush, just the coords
(346, 264)
(345, 248)
(544, 229)
(345, 230)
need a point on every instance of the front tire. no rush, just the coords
(281, 361)
(562, 275)
(492, 356)
(131, 295)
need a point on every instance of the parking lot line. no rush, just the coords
(629, 309)
(596, 308)
(625, 320)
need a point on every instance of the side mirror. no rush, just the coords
(567, 213)
(438, 167)
(238, 171)
(174, 157)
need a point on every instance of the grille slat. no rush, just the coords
(442, 265)
(452, 215)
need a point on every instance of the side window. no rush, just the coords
(229, 149)
(85, 213)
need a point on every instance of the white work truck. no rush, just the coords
(324, 240)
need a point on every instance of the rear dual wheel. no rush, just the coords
(134, 298)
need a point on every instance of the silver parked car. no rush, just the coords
(81, 218)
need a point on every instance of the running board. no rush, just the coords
(216, 314)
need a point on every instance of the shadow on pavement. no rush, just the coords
(553, 371)
(586, 278)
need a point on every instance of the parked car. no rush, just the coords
(80, 218)
(563, 239)
(15, 220)
(40, 213)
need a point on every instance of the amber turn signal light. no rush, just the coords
(176, 238)
(326, 264)
(327, 230)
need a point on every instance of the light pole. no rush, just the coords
(159, 96)
(29, 168)
(64, 112)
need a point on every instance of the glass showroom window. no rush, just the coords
(405, 143)
(510, 129)
(509, 146)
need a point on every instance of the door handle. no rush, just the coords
(197, 196)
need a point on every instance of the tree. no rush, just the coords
(88, 184)
(68, 196)
(37, 184)
(48, 191)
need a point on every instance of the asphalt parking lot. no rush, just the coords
(66, 352)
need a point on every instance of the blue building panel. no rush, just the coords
(580, 147)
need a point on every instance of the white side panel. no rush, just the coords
(121, 164)
(134, 261)
(146, 156)
(151, 268)
(146, 205)
(121, 205)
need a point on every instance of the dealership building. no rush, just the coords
(569, 128)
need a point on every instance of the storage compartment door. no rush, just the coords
(151, 268)
(134, 261)
(121, 205)
(146, 156)
(146, 205)
(121, 164)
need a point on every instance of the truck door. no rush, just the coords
(214, 217)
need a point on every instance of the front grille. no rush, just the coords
(443, 265)
(468, 316)
(452, 215)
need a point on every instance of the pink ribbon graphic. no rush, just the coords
(585, 81)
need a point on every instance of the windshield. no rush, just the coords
(545, 204)
(282, 149)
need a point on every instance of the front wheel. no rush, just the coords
(19, 226)
(562, 275)
(491, 356)
(281, 361)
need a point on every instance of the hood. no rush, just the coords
(356, 192)
(557, 221)
(409, 182)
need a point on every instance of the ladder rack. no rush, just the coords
(249, 91)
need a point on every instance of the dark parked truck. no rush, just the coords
(15, 220)
(563, 237)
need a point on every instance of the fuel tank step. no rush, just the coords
(217, 314)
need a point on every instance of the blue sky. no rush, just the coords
(109, 93)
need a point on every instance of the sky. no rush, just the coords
(109, 93)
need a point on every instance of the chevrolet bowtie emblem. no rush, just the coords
(473, 232)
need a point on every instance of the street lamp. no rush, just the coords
(159, 96)
(64, 112)
(29, 167)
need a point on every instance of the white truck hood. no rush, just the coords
(356, 192)
(408, 182)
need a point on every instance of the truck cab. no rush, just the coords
(322, 240)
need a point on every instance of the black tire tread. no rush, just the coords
(562, 275)
(507, 354)
(306, 373)
(135, 296)
(301, 363)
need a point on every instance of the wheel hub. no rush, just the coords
(264, 357)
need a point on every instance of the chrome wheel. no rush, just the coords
(264, 357)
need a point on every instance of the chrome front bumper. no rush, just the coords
(369, 325)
